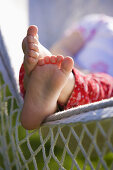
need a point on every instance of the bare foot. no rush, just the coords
(33, 50)
(44, 87)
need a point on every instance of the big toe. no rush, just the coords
(67, 65)
(32, 30)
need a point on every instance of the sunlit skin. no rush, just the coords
(48, 80)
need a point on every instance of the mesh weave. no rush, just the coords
(72, 145)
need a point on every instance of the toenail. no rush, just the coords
(47, 59)
(53, 59)
(41, 62)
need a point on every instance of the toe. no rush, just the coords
(33, 54)
(41, 61)
(67, 65)
(32, 39)
(47, 59)
(59, 60)
(32, 30)
(33, 46)
(32, 36)
(53, 59)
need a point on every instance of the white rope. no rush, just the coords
(81, 109)
(7, 70)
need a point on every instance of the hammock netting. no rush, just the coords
(79, 138)
(83, 141)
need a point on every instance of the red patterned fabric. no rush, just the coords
(88, 88)
(21, 80)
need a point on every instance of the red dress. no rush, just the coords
(88, 87)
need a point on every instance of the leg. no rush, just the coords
(69, 45)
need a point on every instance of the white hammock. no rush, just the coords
(79, 138)
(83, 134)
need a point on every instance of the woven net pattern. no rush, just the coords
(58, 144)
